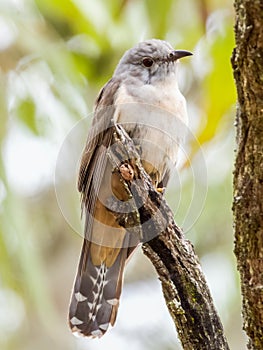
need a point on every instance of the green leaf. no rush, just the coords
(219, 93)
(159, 13)
(26, 113)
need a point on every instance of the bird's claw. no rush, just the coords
(160, 190)
(126, 171)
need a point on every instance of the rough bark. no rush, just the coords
(247, 62)
(184, 286)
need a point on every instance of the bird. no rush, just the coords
(143, 97)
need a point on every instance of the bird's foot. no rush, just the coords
(126, 171)
(160, 190)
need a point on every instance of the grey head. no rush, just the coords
(149, 61)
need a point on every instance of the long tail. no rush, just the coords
(95, 297)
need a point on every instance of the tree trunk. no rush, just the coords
(147, 216)
(247, 62)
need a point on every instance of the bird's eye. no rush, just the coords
(147, 62)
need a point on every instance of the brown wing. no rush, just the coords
(98, 282)
(98, 136)
(93, 161)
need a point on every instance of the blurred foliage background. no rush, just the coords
(54, 57)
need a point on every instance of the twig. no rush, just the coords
(184, 286)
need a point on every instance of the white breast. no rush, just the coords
(156, 118)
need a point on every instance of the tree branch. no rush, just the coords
(184, 287)
(247, 63)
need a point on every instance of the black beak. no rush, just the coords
(180, 53)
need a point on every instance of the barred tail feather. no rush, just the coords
(95, 297)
